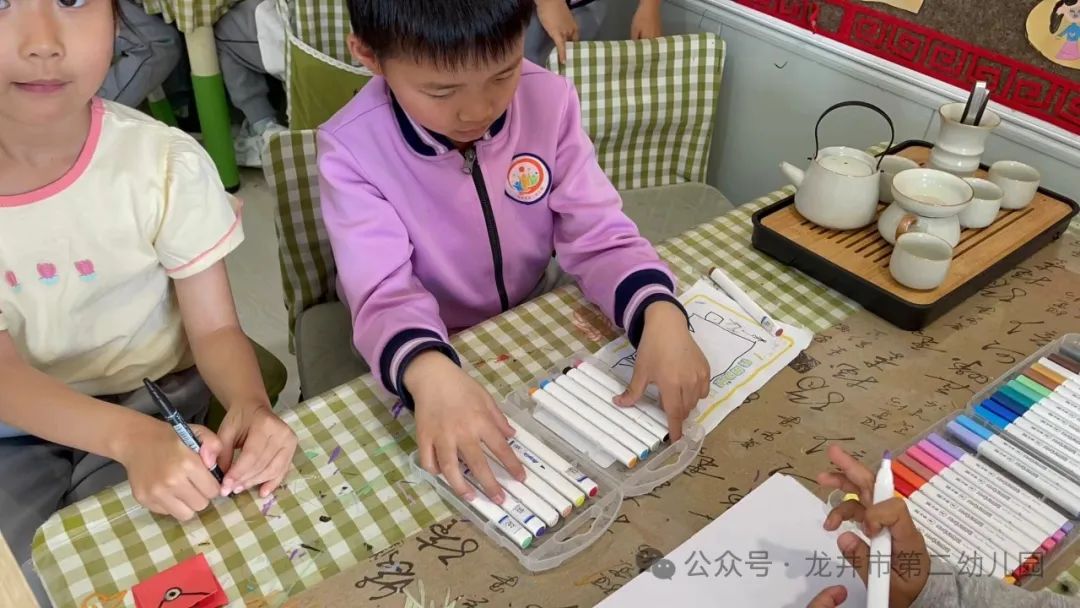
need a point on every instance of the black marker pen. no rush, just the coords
(169, 413)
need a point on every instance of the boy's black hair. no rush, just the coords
(1056, 17)
(447, 33)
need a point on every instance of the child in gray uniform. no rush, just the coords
(560, 21)
(929, 583)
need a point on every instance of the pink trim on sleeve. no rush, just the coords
(228, 234)
(97, 117)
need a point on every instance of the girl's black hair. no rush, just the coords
(448, 33)
(1056, 17)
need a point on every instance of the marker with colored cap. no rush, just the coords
(1054, 383)
(1025, 433)
(959, 545)
(546, 402)
(605, 424)
(1042, 386)
(1046, 408)
(980, 525)
(556, 490)
(1018, 463)
(1017, 516)
(1042, 413)
(1070, 378)
(1003, 487)
(1031, 457)
(532, 501)
(556, 462)
(1064, 360)
(1000, 520)
(877, 583)
(1022, 389)
(608, 396)
(615, 386)
(494, 514)
(513, 507)
(614, 414)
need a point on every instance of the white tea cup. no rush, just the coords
(920, 260)
(890, 166)
(984, 207)
(1018, 181)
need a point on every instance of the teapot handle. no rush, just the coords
(861, 104)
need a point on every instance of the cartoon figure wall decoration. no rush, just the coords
(1053, 27)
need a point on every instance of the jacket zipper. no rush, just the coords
(473, 168)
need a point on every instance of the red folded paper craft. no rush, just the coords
(189, 584)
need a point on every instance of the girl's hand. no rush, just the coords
(909, 576)
(167, 476)
(266, 446)
(669, 358)
(647, 23)
(559, 23)
(456, 419)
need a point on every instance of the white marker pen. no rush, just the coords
(607, 396)
(546, 454)
(613, 413)
(617, 387)
(605, 424)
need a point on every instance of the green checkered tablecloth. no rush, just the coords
(349, 495)
(188, 14)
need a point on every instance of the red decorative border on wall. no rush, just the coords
(1012, 83)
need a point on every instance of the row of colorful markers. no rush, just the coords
(552, 486)
(968, 511)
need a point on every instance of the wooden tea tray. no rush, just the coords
(856, 262)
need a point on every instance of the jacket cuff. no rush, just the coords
(635, 293)
(400, 351)
(637, 322)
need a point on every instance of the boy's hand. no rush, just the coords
(455, 418)
(559, 23)
(266, 446)
(669, 358)
(909, 548)
(166, 476)
(647, 23)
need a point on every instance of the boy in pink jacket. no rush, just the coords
(447, 184)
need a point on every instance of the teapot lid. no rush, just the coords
(846, 165)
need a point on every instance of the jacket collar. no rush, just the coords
(430, 143)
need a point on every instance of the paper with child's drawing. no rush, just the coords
(767, 551)
(742, 355)
(911, 6)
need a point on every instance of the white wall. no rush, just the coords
(779, 78)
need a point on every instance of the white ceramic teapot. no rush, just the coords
(841, 188)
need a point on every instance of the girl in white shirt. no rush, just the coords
(113, 231)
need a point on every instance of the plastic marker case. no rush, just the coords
(984, 412)
(588, 522)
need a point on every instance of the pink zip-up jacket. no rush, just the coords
(429, 240)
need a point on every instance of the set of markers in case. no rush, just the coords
(995, 489)
(582, 456)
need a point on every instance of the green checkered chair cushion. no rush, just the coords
(648, 105)
(307, 263)
(320, 75)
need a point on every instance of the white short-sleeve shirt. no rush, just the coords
(86, 262)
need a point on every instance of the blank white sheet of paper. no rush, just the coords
(767, 551)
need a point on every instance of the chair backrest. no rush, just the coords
(321, 77)
(307, 262)
(648, 105)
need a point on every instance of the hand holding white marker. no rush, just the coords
(907, 576)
